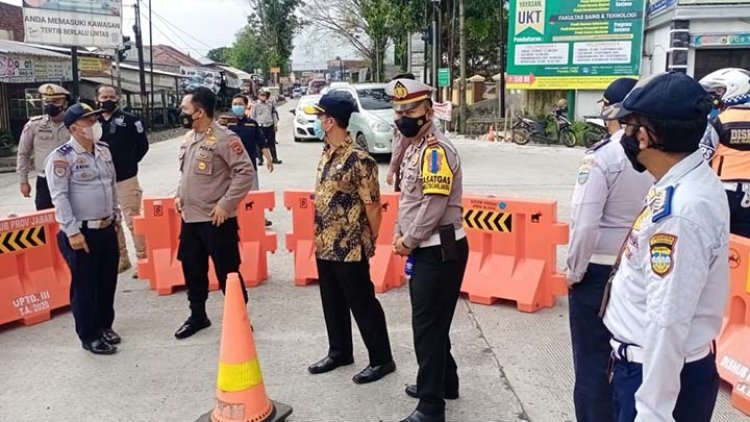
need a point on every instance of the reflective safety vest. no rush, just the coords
(732, 159)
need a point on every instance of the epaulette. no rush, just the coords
(662, 206)
(599, 144)
(432, 141)
(36, 118)
(249, 124)
(65, 149)
(102, 144)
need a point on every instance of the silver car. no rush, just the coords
(372, 127)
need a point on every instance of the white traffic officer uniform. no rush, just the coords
(669, 293)
(607, 197)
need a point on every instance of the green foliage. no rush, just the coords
(219, 55)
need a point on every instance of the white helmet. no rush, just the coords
(731, 84)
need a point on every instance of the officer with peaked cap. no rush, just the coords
(430, 232)
(665, 303)
(41, 135)
(608, 196)
(82, 182)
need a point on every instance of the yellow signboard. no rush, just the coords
(561, 82)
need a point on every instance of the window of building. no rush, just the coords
(709, 60)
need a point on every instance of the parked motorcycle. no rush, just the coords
(595, 131)
(526, 129)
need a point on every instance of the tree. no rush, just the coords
(247, 52)
(219, 55)
(275, 22)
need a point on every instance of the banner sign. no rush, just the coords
(657, 6)
(81, 23)
(27, 69)
(443, 111)
(720, 40)
(576, 44)
(197, 76)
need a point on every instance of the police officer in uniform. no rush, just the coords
(216, 176)
(126, 137)
(81, 177)
(430, 231)
(42, 135)
(607, 198)
(727, 141)
(668, 294)
(347, 222)
(250, 134)
(264, 112)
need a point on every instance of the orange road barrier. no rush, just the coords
(733, 345)
(387, 269)
(301, 240)
(513, 251)
(240, 393)
(159, 224)
(34, 278)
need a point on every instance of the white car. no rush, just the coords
(372, 127)
(303, 123)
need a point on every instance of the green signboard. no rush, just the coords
(444, 77)
(573, 44)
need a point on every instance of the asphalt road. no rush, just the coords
(513, 366)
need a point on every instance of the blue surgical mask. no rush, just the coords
(238, 110)
(318, 129)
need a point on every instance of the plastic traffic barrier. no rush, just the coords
(159, 224)
(513, 251)
(733, 344)
(386, 268)
(34, 278)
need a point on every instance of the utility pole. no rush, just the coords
(151, 56)
(462, 58)
(501, 95)
(76, 78)
(435, 43)
(117, 70)
(141, 66)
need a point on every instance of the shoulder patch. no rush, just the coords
(138, 126)
(660, 203)
(600, 144)
(661, 246)
(236, 146)
(60, 167)
(65, 149)
(437, 175)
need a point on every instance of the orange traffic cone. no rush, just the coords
(240, 394)
(491, 134)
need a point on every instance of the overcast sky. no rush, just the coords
(212, 24)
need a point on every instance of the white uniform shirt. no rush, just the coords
(606, 200)
(669, 294)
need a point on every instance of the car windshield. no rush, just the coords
(374, 99)
(307, 101)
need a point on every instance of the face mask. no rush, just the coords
(238, 110)
(52, 110)
(186, 120)
(410, 126)
(318, 129)
(109, 106)
(94, 132)
(632, 148)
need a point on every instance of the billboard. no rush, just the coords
(576, 44)
(699, 2)
(81, 23)
(655, 7)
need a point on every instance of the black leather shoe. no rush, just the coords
(328, 364)
(100, 347)
(418, 416)
(191, 326)
(374, 373)
(110, 336)
(277, 161)
(411, 391)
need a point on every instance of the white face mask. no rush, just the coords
(95, 132)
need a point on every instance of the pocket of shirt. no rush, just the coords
(204, 167)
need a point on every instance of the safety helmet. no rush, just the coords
(730, 85)
(562, 103)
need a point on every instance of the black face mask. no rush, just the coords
(109, 106)
(410, 126)
(186, 120)
(52, 110)
(632, 148)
